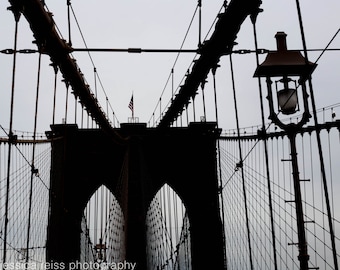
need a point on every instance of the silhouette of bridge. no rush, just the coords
(173, 193)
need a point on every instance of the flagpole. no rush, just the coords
(133, 115)
(131, 107)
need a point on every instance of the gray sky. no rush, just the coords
(155, 25)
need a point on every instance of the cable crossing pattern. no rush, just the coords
(14, 241)
(168, 227)
(257, 199)
(254, 166)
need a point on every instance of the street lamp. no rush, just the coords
(291, 70)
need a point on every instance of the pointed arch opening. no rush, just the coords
(168, 232)
(103, 238)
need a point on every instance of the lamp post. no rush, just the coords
(291, 70)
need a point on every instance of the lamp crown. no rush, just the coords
(281, 41)
(284, 62)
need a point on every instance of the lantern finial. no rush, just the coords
(281, 41)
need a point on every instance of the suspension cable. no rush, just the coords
(219, 168)
(270, 200)
(199, 23)
(75, 108)
(10, 135)
(213, 24)
(177, 56)
(34, 171)
(240, 165)
(95, 81)
(68, 3)
(66, 101)
(92, 61)
(193, 107)
(213, 70)
(203, 99)
(326, 48)
(55, 68)
(322, 164)
(172, 84)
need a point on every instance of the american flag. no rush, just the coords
(131, 104)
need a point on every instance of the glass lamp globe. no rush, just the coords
(288, 101)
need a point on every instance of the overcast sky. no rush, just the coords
(161, 24)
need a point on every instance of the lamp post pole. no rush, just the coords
(286, 64)
(292, 130)
(302, 244)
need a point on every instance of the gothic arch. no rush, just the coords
(164, 226)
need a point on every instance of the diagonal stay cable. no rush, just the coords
(89, 54)
(24, 157)
(176, 59)
(319, 57)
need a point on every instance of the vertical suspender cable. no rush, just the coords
(107, 106)
(101, 213)
(193, 108)
(187, 114)
(270, 200)
(322, 164)
(75, 108)
(107, 217)
(33, 169)
(11, 135)
(203, 98)
(175, 199)
(177, 57)
(164, 215)
(55, 68)
(68, 2)
(66, 102)
(220, 169)
(95, 81)
(160, 108)
(241, 165)
(331, 170)
(215, 94)
(172, 84)
(89, 219)
(82, 116)
(96, 219)
(199, 23)
(170, 214)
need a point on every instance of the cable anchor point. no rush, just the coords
(239, 165)
(34, 170)
(12, 138)
(16, 10)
